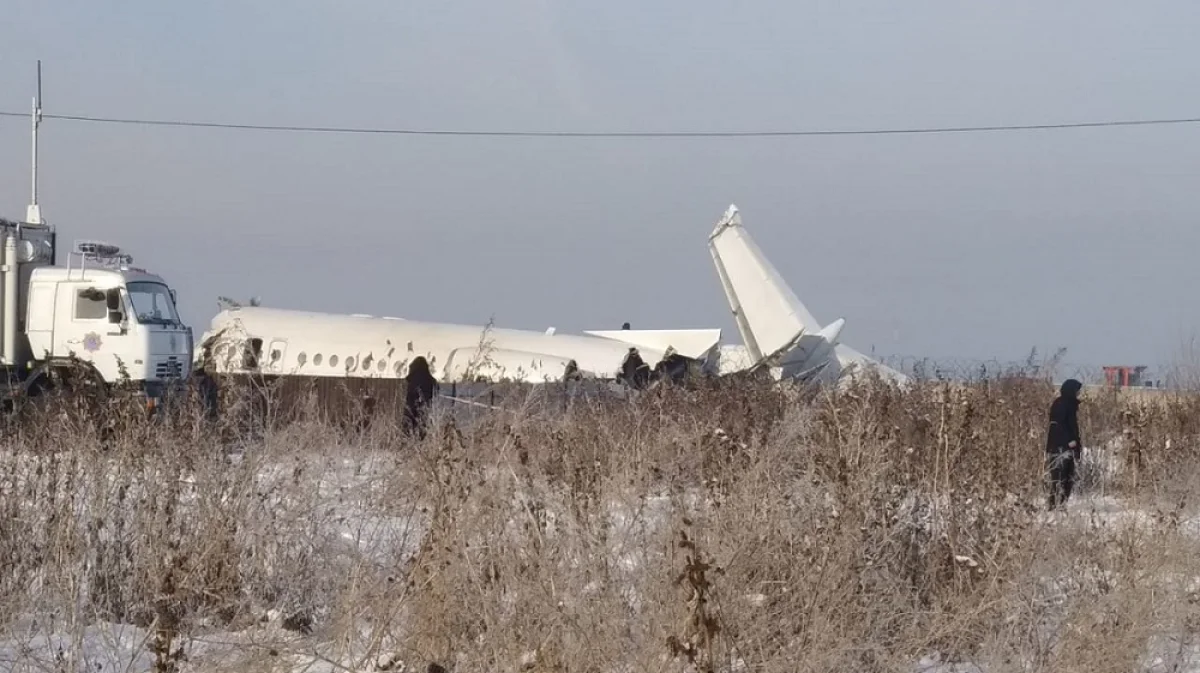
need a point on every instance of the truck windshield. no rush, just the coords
(152, 303)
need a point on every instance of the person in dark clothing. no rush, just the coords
(1063, 443)
(368, 412)
(635, 373)
(206, 385)
(673, 368)
(571, 371)
(418, 396)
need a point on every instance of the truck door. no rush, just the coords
(275, 357)
(39, 325)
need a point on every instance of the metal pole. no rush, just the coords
(33, 214)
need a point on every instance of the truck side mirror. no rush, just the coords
(112, 298)
(174, 299)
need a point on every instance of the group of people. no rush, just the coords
(636, 374)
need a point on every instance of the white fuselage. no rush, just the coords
(302, 343)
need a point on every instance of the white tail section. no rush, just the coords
(769, 316)
(778, 331)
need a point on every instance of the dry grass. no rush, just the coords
(736, 526)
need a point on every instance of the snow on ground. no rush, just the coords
(324, 506)
(333, 502)
(98, 647)
(340, 506)
(122, 648)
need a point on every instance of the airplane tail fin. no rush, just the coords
(774, 324)
(777, 329)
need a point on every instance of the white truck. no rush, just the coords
(100, 318)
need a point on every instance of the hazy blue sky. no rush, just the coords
(971, 245)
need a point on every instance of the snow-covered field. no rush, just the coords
(328, 535)
(312, 519)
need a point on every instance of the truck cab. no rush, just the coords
(118, 319)
(121, 322)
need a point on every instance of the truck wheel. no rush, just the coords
(36, 398)
(58, 383)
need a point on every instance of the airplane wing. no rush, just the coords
(500, 364)
(692, 343)
(850, 359)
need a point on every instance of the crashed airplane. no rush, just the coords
(778, 332)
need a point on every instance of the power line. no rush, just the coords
(609, 134)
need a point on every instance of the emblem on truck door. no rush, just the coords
(91, 342)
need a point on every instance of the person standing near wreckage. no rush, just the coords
(1063, 444)
(418, 396)
(635, 373)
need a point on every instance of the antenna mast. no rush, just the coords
(33, 214)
